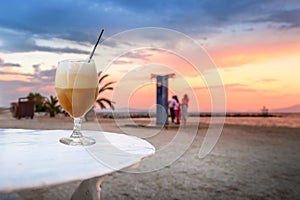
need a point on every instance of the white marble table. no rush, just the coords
(35, 159)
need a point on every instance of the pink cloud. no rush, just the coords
(24, 89)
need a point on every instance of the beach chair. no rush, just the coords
(13, 108)
(25, 108)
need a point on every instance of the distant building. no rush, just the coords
(265, 111)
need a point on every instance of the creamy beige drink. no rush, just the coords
(76, 86)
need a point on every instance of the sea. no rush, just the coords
(291, 120)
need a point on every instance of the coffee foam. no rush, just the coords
(73, 74)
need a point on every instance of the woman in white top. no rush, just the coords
(184, 110)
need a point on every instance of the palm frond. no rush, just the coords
(102, 102)
(106, 87)
(103, 77)
(108, 84)
(51, 106)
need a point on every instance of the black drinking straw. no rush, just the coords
(92, 53)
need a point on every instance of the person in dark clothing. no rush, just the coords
(172, 104)
(177, 110)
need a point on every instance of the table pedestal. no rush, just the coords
(89, 189)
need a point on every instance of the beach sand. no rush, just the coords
(248, 162)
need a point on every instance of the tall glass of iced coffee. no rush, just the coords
(76, 85)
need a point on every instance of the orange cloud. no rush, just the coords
(238, 51)
(236, 56)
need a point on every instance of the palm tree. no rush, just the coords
(101, 101)
(52, 107)
(39, 101)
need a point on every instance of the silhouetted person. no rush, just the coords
(184, 109)
(172, 104)
(177, 110)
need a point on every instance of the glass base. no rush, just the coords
(83, 141)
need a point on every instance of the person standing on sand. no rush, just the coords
(184, 110)
(177, 110)
(172, 104)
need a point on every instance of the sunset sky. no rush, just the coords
(255, 46)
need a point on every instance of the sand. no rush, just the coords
(248, 162)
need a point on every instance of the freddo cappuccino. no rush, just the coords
(76, 85)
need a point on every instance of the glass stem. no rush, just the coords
(77, 128)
